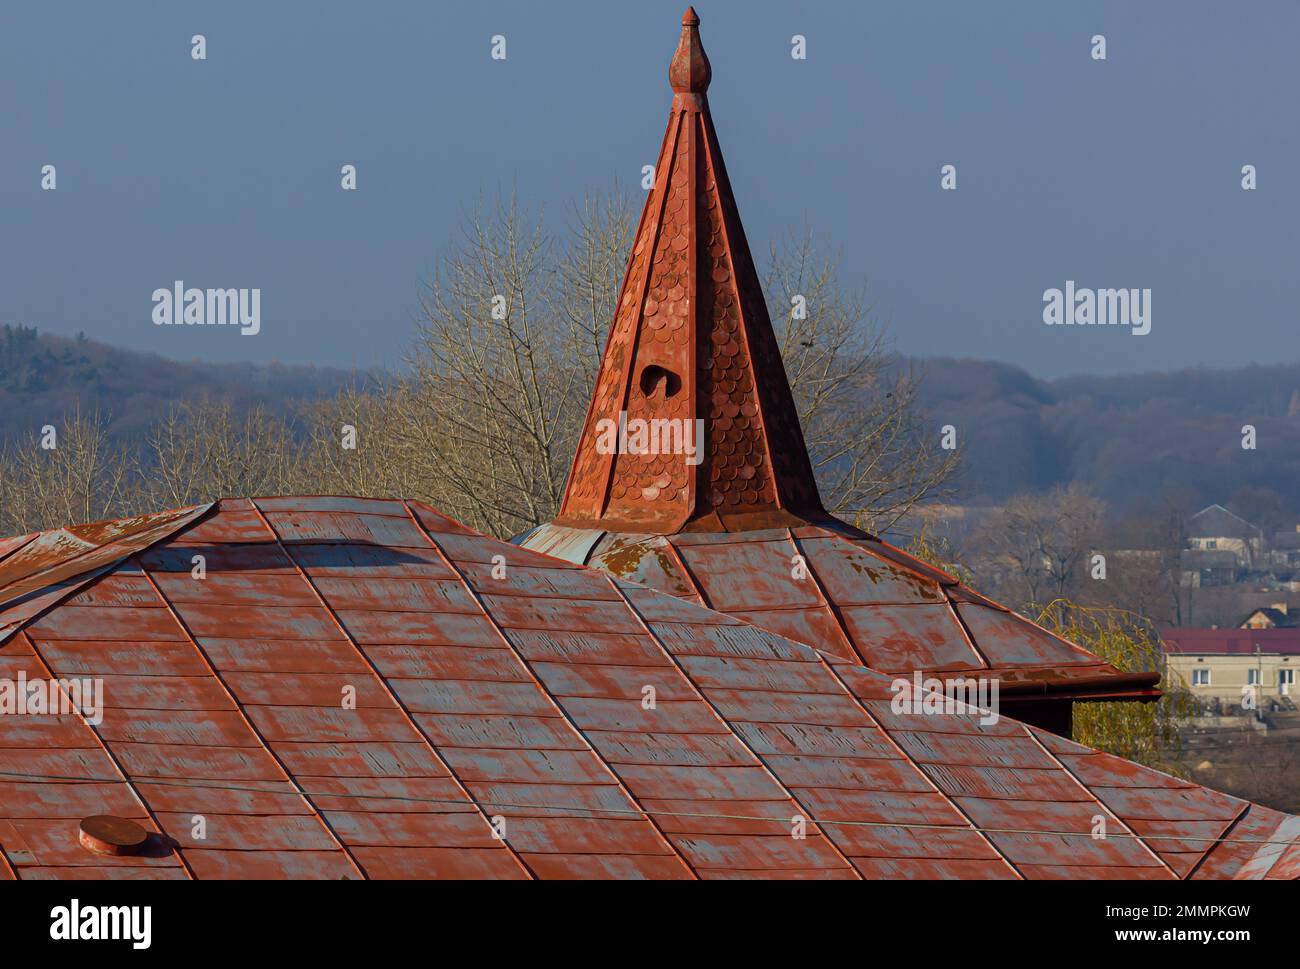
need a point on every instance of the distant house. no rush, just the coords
(1223, 666)
(1286, 548)
(1209, 566)
(1276, 616)
(1215, 529)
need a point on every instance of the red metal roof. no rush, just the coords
(692, 340)
(495, 686)
(1232, 642)
(855, 597)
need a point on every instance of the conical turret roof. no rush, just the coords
(737, 524)
(691, 344)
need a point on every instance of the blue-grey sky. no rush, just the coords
(225, 172)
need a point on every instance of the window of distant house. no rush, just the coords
(1252, 677)
(1211, 543)
(1201, 677)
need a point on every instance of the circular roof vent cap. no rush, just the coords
(106, 834)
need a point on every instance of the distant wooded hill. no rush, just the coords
(43, 376)
(1136, 441)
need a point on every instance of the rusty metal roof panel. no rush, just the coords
(903, 638)
(10, 545)
(340, 707)
(570, 544)
(818, 586)
(40, 571)
(852, 576)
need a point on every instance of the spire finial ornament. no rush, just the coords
(689, 72)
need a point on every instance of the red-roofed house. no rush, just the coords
(1225, 665)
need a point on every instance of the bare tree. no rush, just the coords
(860, 415)
(369, 442)
(485, 421)
(1147, 733)
(66, 474)
(1036, 548)
(495, 400)
(204, 449)
(492, 388)
(514, 325)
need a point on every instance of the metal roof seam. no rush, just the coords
(24, 541)
(694, 474)
(1223, 839)
(1087, 790)
(365, 658)
(827, 603)
(742, 311)
(190, 514)
(252, 727)
(609, 338)
(899, 558)
(671, 145)
(758, 758)
(1290, 845)
(117, 765)
(550, 697)
(686, 571)
(965, 630)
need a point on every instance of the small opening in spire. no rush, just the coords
(654, 378)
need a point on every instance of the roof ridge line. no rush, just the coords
(1089, 791)
(730, 727)
(77, 580)
(551, 698)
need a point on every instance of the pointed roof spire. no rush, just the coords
(691, 343)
